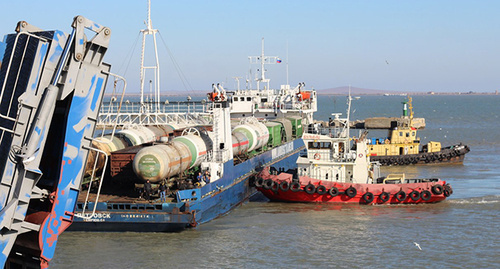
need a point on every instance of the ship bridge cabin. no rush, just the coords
(333, 159)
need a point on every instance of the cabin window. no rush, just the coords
(341, 147)
(407, 134)
(249, 98)
(242, 98)
(263, 100)
(319, 145)
(235, 99)
(400, 133)
(326, 176)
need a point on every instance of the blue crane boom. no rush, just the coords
(51, 87)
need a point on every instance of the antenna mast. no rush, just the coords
(150, 31)
(262, 60)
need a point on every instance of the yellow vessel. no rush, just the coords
(402, 146)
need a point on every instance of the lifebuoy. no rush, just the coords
(321, 190)
(284, 186)
(400, 196)
(415, 195)
(309, 188)
(360, 155)
(268, 184)
(333, 191)
(368, 197)
(437, 189)
(425, 195)
(384, 197)
(351, 192)
(295, 186)
(259, 182)
(317, 156)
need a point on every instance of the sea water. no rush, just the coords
(461, 232)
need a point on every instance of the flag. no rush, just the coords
(278, 61)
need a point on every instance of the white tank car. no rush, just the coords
(256, 132)
(159, 162)
(240, 143)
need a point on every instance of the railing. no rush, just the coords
(180, 112)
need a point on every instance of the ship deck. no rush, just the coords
(120, 198)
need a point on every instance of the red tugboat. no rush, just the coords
(338, 169)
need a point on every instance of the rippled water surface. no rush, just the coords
(462, 232)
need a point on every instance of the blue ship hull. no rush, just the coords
(194, 206)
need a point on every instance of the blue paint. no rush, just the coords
(67, 191)
(60, 40)
(99, 86)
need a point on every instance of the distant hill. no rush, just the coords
(354, 91)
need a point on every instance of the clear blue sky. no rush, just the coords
(388, 45)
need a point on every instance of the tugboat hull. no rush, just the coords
(282, 188)
(453, 154)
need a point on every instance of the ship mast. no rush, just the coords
(263, 60)
(150, 31)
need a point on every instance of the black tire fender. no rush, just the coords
(425, 195)
(333, 191)
(259, 182)
(368, 197)
(321, 190)
(384, 197)
(295, 187)
(284, 186)
(437, 189)
(415, 195)
(351, 192)
(268, 183)
(310, 188)
(400, 196)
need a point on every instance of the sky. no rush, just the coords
(413, 46)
